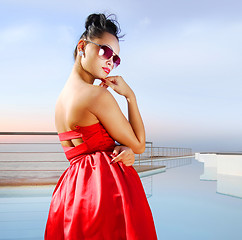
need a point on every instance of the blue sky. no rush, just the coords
(182, 59)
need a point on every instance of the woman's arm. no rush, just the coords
(135, 120)
(104, 106)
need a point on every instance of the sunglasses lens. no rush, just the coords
(116, 60)
(105, 52)
(101, 52)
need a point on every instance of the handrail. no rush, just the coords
(28, 133)
(44, 162)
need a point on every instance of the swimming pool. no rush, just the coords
(183, 207)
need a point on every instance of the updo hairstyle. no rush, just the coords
(96, 25)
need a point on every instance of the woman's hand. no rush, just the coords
(118, 84)
(123, 154)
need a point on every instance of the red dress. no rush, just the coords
(96, 200)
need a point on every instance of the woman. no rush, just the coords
(100, 195)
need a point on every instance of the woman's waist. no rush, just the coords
(85, 149)
(96, 154)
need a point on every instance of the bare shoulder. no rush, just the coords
(99, 91)
(72, 106)
(98, 94)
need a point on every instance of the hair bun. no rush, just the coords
(96, 24)
(96, 20)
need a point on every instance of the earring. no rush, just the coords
(80, 53)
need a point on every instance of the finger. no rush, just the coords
(128, 164)
(116, 151)
(103, 85)
(112, 80)
(116, 159)
(129, 161)
(108, 83)
(122, 155)
(104, 81)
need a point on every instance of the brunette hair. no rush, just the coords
(96, 25)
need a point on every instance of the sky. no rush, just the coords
(181, 58)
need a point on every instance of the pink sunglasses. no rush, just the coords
(107, 52)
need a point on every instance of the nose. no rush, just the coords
(110, 62)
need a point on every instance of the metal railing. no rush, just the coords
(43, 163)
(169, 157)
(163, 152)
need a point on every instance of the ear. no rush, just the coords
(81, 45)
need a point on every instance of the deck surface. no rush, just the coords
(143, 168)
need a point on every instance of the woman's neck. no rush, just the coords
(79, 74)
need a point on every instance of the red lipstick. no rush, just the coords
(107, 70)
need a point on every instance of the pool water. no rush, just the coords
(183, 207)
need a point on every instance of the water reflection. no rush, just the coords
(147, 185)
(147, 177)
(226, 169)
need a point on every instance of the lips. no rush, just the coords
(107, 70)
